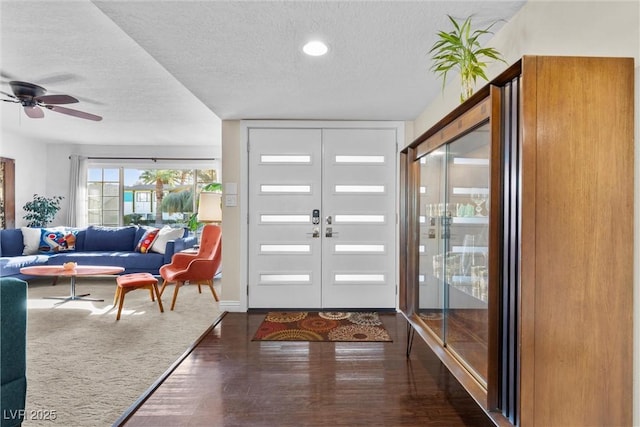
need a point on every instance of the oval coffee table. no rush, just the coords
(80, 270)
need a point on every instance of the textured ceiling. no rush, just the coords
(166, 72)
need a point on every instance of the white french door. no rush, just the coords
(285, 258)
(322, 218)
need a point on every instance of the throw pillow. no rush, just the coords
(55, 240)
(31, 240)
(165, 234)
(145, 242)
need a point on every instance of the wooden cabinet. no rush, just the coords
(528, 300)
(7, 193)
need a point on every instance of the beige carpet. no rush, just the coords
(88, 368)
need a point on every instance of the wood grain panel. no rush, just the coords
(528, 264)
(465, 123)
(583, 245)
(495, 241)
(404, 296)
(9, 192)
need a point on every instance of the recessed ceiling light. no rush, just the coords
(315, 48)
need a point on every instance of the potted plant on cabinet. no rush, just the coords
(460, 50)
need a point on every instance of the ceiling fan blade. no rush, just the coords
(74, 113)
(34, 112)
(57, 99)
(8, 94)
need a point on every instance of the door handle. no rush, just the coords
(315, 234)
(329, 220)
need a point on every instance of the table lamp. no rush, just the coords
(210, 207)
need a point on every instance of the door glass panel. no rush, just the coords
(466, 276)
(285, 218)
(266, 188)
(359, 159)
(359, 188)
(359, 248)
(279, 278)
(284, 158)
(359, 277)
(277, 248)
(359, 218)
(433, 241)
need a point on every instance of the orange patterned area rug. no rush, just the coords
(322, 326)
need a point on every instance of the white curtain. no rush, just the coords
(77, 212)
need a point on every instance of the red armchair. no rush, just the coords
(198, 268)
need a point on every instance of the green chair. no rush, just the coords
(13, 351)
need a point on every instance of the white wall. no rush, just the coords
(572, 28)
(233, 283)
(44, 168)
(32, 164)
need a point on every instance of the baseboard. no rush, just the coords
(231, 306)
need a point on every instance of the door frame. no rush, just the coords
(245, 126)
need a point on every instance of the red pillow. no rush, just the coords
(147, 240)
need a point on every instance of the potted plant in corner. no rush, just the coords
(41, 210)
(460, 50)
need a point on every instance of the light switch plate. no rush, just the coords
(231, 188)
(230, 200)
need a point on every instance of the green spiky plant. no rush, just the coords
(460, 50)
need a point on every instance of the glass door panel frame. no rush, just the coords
(487, 109)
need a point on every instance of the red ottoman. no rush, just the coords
(130, 282)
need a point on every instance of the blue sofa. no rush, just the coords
(13, 351)
(94, 245)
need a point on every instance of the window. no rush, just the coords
(122, 196)
(143, 196)
(103, 196)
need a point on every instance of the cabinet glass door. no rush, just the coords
(433, 240)
(466, 315)
(453, 246)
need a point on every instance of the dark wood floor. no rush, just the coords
(229, 380)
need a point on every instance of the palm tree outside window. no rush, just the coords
(160, 178)
(147, 196)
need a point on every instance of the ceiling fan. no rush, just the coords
(33, 99)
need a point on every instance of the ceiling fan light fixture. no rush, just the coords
(33, 99)
(315, 48)
(33, 111)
